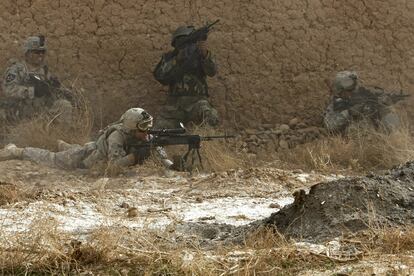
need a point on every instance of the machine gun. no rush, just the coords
(199, 34)
(172, 137)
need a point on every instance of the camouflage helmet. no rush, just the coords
(345, 81)
(136, 118)
(181, 31)
(35, 43)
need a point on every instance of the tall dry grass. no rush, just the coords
(216, 155)
(362, 148)
(45, 249)
(44, 130)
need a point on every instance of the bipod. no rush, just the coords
(194, 152)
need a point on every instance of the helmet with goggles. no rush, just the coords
(137, 119)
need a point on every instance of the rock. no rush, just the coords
(293, 122)
(283, 144)
(301, 125)
(250, 131)
(199, 199)
(284, 128)
(124, 205)
(274, 206)
(251, 155)
(267, 126)
(132, 212)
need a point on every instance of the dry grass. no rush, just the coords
(363, 148)
(119, 251)
(43, 131)
(217, 155)
(12, 193)
(387, 240)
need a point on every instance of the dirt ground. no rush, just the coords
(207, 211)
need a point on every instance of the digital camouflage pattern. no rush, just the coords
(185, 74)
(111, 148)
(343, 110)
(27, 90)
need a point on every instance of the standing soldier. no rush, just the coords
(29, 88)
(185, 71)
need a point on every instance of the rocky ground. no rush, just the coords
(273, 138)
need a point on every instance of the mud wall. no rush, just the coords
(274, 56)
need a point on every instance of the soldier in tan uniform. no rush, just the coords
(28, 88)
(117, 145)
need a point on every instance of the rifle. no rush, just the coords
(369, 98)
(199, 34)
(170, 137)
(50, 87)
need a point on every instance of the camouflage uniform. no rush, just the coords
(338, 115)
(28, 89)
(116, 146)
(185, 73)
(112, 147)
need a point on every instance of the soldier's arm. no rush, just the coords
(168, 70)
(116, 153)
(14, 85)
(209, 66)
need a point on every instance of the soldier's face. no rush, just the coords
(36, 57)
(142, 136)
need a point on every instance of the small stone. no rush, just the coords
(199, 199)
(274, 206)
(267, 126)
(293, 122)
(284, 127)
(251, 156)
(132, 212)
(250, 131)
(283, 144)
(124, 205)
(301, 125)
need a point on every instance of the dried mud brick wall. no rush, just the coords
(274, 57)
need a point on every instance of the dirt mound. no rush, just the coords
(349, 205)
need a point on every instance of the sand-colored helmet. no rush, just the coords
(136, 118)
(345, 81)
(35, 43)
(181, 31)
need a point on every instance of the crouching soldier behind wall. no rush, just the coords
(185, 72)
(352, 102)
(116, 146)
(28, 87)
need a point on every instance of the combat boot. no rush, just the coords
(62, 145)
(10, 152)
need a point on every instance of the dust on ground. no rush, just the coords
(82, 203)
(207, 211)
